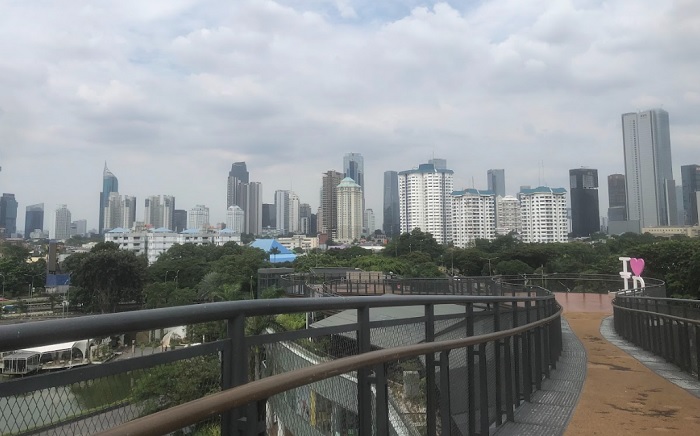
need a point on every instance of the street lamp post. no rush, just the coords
(31, 288)
(489, 259)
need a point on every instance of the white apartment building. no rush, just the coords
(153, 243)
(63, 220)
(473, 216)
(349, 211)
(159, 213)
(425, 201)
(370, 222)
(198, 217)
(543, 215)
(235, 219)
(507, 215)
(304, 242)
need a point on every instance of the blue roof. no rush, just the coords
(268, 244)
(544, 190)
(427, 168)
(473, 192)
(227, 231)
(192, 231)
(162, 230)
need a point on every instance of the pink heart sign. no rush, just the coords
(637, 266)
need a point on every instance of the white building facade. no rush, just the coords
(198, 217)
(507, 215)
(63, 221)
(235, 219)
(350, 216)
(425, 201)
(543, 215)
(473, 216)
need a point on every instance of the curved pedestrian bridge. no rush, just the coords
(492, 356)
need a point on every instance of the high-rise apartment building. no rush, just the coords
(198, 217)
(473, 216)
(391, 224)
(235, 219)
(8, 214)
(585, 208)
(157, 213)
(349, 211)
(269, 213)
(78, 227)
(305, 219)
(690, 177)
(651, 192)
(543, 215)
(370, 221)
(110, 184)
(63, 222)
(328, 223)
(425, 201)
(496, 180)
(33, 219)
(617, 198)
(282, 211)
(128, 212)
(507, 215)
(354, 167)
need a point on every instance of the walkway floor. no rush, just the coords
(621, 395)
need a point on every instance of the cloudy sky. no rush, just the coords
(169, 93)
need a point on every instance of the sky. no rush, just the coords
(171, 92)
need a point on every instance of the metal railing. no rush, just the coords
(473, 359)
(667, 327)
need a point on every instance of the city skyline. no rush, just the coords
(171, 94)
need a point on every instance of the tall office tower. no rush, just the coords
(496, 179)
(33, 219)
(268, 216)
(543, 215)
(329, 203)
(253, 208)
(168, 211)
(179, 220)
(349, 211)
(128, 212)
(354, 167)
(651, 192)
(617, 198)
(473, 216)
(62, 229)
(8, 214)
(425, 201)
(507, 215)
(305, 219)
(690, 177)
(391, 224)
(235, 219)
(294, 204)
(237, 176)
(370, 221)
(198, 217)
(282, 211)
(440, 164)
(110, 184)
(585, 208)
(79, 227)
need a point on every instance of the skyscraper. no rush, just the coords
(651, 192)
(179, 220)
(282, 211)
(391, 224)
(370, 221)
(159, 213)
(63, 222)
(110, 184)
(349, 213)
(439, 164)
(496, 180)
(33, 219)
(247, 195)
(585, 208)
(473, 216)
(253, 208)
(237, 176)
(268, 215)
(617, 198)
(354, 167)
(690, 177)
(8, 214)
(235, 219)
(425, 201)
(329, 203)
(198, 217)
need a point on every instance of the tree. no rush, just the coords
(107, 276)
(417, 241)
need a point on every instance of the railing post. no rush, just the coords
(235, 373)
(445, 408)
(697, 349)
(527, 356)
(364, 391)
(382, 401)
(483, 391)
(516, 354)
(499, 364)
(508, 379)
(471, 373)
(430, 386)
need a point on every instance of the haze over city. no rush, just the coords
(170, 94)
